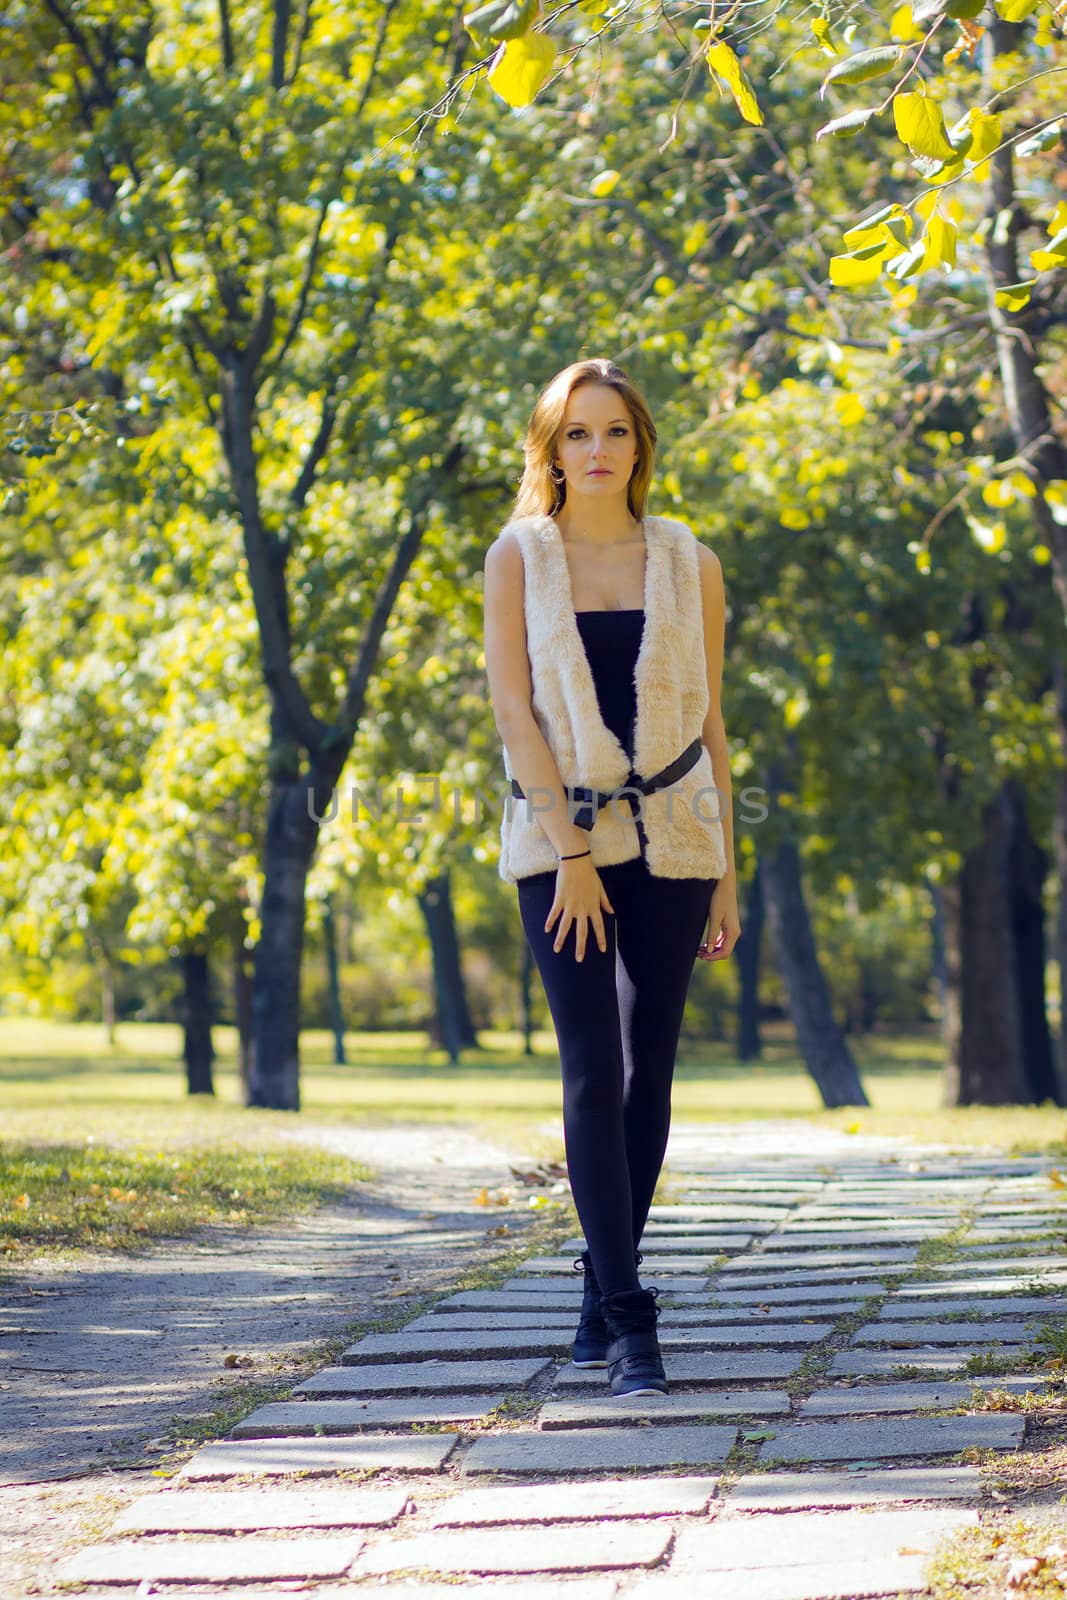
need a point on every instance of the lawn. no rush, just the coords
(100, 1145)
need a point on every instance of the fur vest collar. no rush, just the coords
(683, 839)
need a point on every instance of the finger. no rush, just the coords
(581, 928)
(564, 929)
(552, 915)
(601, 936)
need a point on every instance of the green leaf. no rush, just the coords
(844, 127)
(502, 19)
(1044, 139)
(859, 68)
(1015, 10)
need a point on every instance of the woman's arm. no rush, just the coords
(713, 733)
(511, 691)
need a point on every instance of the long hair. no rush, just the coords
(537, 494)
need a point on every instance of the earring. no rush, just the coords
(558, 476)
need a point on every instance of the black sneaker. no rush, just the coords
(633, 1358)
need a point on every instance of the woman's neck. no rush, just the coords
(598, 524)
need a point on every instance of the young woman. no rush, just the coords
(604, 630)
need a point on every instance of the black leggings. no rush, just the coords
(618, 1015)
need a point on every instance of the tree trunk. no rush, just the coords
(199, 1050)
(938, 957)
(1027, 868)
(337, 1017)
(292, 833)
(997, 1036)
(526, 996)
(107, 1001)
(822, 1045)
(455, 1028)
(747, 950)
(1059, 843)
(242, 1012)
(1021, 355)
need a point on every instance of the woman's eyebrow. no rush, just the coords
(577, 422)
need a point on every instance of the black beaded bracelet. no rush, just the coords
(577, 855)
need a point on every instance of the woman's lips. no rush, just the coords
(600, 472)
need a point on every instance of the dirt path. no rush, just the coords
(98, 1358)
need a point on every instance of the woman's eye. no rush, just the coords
(575, 433)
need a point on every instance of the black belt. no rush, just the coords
(593, 800)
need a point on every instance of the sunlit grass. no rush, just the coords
(99, 1196)
(62, 1082)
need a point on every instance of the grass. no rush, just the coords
(63, 1196)
(60, 1074)
(103, 1148)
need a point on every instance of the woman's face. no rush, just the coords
(597, 446)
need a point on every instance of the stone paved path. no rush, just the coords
(834, 1313)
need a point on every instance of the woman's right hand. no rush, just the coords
(582, 899)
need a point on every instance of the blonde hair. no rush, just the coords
(537, 494)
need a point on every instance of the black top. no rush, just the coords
(612, 640)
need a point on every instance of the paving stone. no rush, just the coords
(825, 1557)
(892, 1436)
(874, 1363)
(940, 1396)
(453, 1321)
(987, 1261)
(832, 1293)
(794, 1491)
(651, 1264)
(664, 1241)
(212, 1561)
(701, 1371)
(422, 1377)
(985, 1306)
(860, 1230)
(1007, 1284)
(757, 1309)
(403, 1346)
(600, 1449)
(906, 1333)
(420, 1452)
(623, 1545)
(856, 1278)
(245, 1510)
(608, 1409)
(583, 1501)
(504, 1300)
(290, 1419)
(807, 1261)
(796, 1239)
(552, 1286)
(745, 1334)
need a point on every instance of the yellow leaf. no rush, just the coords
(940, 243)
(862, 266)
(1015, 296)
(922, 560)
(850, 410)
(921, 126)
(1056, 1178)
(521, 67)
(21, 1202)
(663, 284)
(482, 1197)
(723, 62)
(987, 132)
(853, 1127)
(902, 26)
(603, 183)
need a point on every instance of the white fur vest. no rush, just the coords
(681, 822)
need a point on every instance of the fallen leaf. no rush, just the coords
(1021, 1568)
(21, 1202)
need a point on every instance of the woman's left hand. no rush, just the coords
(724, 923)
